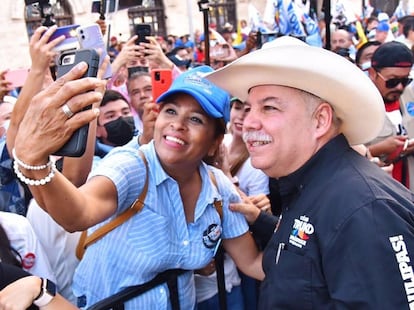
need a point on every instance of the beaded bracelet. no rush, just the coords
(29, 167)
(33, 182)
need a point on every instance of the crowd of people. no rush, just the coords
(278, 176)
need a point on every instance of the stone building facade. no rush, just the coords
(14, 45)
(182, 17)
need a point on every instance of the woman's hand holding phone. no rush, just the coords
(76, 145)
(45, 120)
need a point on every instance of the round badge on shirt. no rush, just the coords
(28, 260)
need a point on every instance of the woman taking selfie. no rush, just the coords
(178, 227)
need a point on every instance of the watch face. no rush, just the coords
(50, 287)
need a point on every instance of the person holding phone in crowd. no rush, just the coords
(175, 227)
(345, 237)
(58, 244)
(390, 69)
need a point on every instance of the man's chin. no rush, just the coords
(257, 163)
(392, 97)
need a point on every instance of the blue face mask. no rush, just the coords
(120, 131)
(365, 66)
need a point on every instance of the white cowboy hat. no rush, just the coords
(288, 61)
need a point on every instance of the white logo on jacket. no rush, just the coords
(301, 231)
(406, 270)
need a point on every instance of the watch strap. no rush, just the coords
(47, 293)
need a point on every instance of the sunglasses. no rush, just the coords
(391, 83)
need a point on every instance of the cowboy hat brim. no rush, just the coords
(291, 62)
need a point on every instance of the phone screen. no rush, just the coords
(17, 77)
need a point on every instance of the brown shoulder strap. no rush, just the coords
(85, 241)
(239, 162)
(218, 204)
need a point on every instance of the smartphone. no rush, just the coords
(76, 145)
(70, 42)
(132, 70)
(142, 31)
(90, 36)
(161, 80)
(17, 77)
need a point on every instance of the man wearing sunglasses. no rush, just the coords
(390, 71)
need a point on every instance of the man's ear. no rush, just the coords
(323, 118)
(372, 73)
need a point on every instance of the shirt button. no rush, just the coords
(162, 291)
(186, 242)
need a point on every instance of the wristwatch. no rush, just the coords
(47, 293)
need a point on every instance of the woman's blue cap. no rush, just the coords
(214, 100)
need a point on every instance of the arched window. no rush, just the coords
(222, 12)
(149, 12)
(47, 13)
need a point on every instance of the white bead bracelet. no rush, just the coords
(33, 182)
(29, 167)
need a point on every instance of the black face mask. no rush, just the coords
(120, 131)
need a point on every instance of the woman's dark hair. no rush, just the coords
(408, 25)
(220, 126)
(8, 255)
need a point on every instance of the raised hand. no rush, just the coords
(45, 119)
(41, 51)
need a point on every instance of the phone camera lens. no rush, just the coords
(68, 59)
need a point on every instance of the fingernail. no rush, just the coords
(81, 66)
(96, 111)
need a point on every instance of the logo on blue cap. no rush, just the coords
(198, 80)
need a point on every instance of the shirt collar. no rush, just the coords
(324, 158)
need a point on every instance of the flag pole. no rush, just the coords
(203, 6)
(328, 18)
